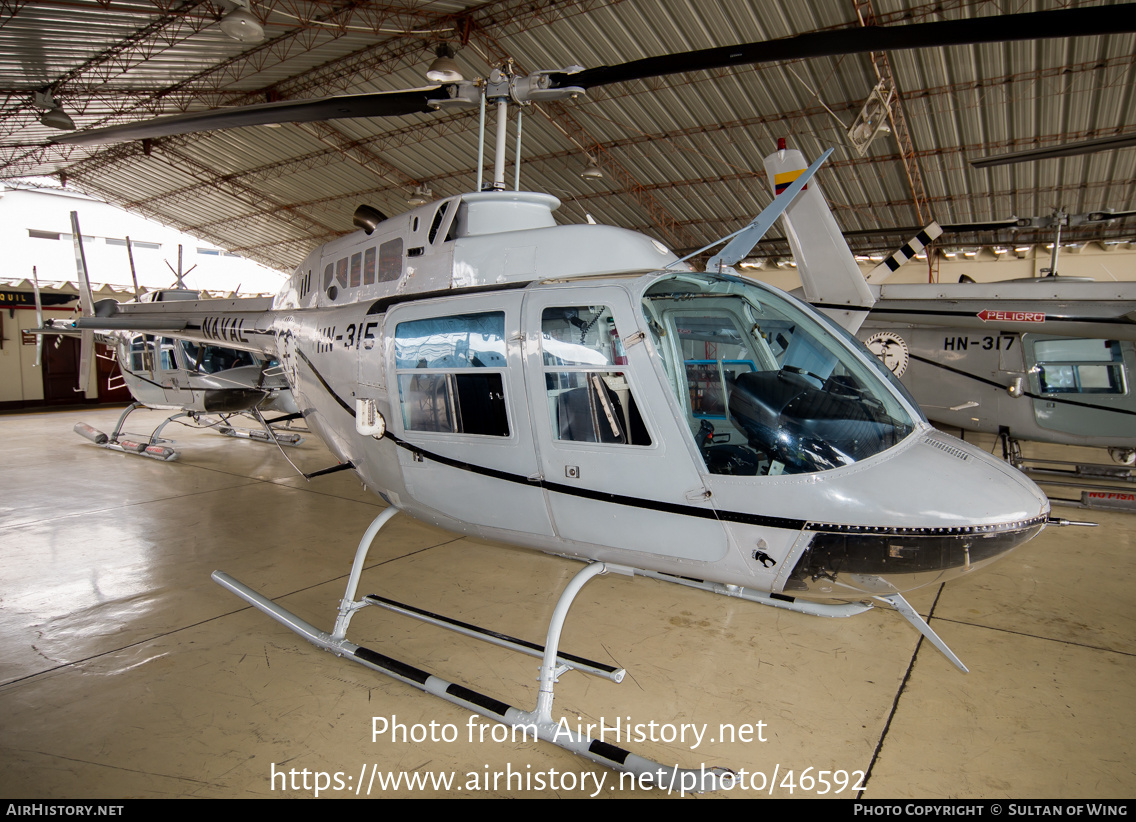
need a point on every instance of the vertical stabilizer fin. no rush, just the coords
(86, 306)
(829, 273)
(39, 318)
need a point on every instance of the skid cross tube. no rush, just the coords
(513, 643)
(537, 723)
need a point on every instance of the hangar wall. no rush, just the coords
(1101, 263)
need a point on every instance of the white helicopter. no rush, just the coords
(579, 390)
(207, 386)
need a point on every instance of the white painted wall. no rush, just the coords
(25, 210)
(44, 210)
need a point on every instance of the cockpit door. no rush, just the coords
(616, 467)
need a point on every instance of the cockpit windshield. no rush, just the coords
(767, 389)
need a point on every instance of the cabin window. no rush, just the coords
(390, 260)
(369, 266)
(437, 223)
(212, 359)
(1080, 366)
(166, 354)
(141, 355)
(589, 397)
(451, 374)
(356, 270)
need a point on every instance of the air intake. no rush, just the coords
(367, 218)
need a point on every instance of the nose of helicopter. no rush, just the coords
(954, 509)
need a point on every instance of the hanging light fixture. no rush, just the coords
(54, 116)
(422, 195)
(58, 118)
(444, 69)
(593, 170)
(241, 24)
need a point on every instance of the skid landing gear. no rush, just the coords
(536, 723)
(157, 448)
(282, 437)
(154, 447)
(804, 606)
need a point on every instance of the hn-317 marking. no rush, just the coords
(988, 343)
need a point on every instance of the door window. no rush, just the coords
(589, 397)
(451, 374)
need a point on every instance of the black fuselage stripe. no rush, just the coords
(604, 496)
(324, 383)
(741, 517)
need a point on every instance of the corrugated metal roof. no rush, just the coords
(682, 155)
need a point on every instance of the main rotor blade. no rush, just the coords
(1064, 150)
(1097, 20)
(379, 104)
(1041, 25)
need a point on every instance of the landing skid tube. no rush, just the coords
(157, 448)
(153, 447)
(537, 722)
(804, 606)
(801, 606)
(282, 437)
(1096, 493)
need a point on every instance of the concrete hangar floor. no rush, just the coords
(127, 672)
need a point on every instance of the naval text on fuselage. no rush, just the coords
(621, 730)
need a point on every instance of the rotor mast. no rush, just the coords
(502, 88)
